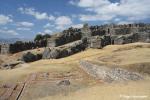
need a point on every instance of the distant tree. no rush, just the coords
(18, 42)
(46, 36)
(41, 40)
(38, 37)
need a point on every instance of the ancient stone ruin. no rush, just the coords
(4, 48)
(107, 74)
(21, 46)
(94, 37)
(65, 50)
(74, 40)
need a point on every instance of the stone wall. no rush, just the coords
(99, 41)
(73, 34)
(95, 42)
(95, 37)
(52, 42)
(4, 48)
(65, 50)
(119, 29)
(67, 36)
(21, 46)
(131, 38)
(143, 37)
(126, 29)
(97, 30)
(86, 31)
(107, 74)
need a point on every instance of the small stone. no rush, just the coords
(64, 82)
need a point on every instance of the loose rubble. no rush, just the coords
(109, 74)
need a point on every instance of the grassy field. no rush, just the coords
(126, 91)
(134, 57)
(114, 54)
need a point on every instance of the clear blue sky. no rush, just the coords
(26, 18)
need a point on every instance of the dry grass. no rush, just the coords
(108, 92)
(16, 56)
(19, 74)
(1, 61)
(119, 57)
(134, 57)
(127, 56)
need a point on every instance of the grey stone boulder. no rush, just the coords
(55, 53)
(46, 53)
(51, 53)
(95, 42)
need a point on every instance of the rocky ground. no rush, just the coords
(64, 79)
(109, 74)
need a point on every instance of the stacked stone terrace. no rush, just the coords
(112, 30)
(96, 37)
(91, 36)
(20, 46)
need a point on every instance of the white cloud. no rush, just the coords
(10, 32)
(130, 9)
(25, 24)
(48, 25)
(36, 14)
(5, 19)
(92, 3)
(23, 29)
(95, 17)
(117, 19)
(63, 22)
(5, 28)
(72, 2)
(47, 31)
(41, 33)
(77, 25)
(124, 22)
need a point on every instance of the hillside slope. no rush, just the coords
(133, 57)
(123, 55)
